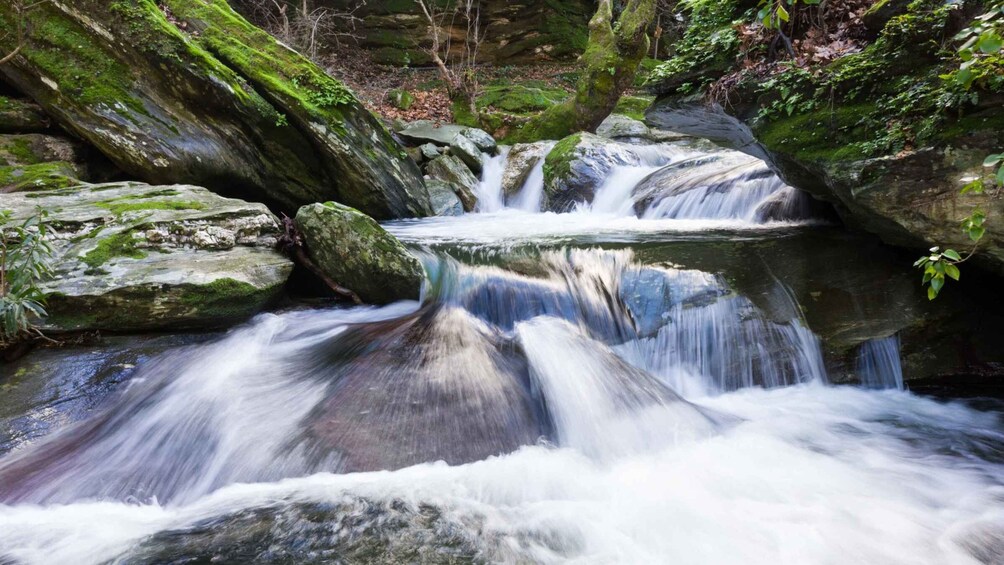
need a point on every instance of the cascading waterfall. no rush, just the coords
(549, 402)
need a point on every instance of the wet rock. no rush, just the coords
(468, 152)
(452, 170)
(31, 149)
(349, 530)
(578, 165)
(482, 139)
(356, 252)
(650, 293)
(130, 256)
(445, 201)
(267, 125)
(39, 176)
(52, 388)
(679, 177)
(520, 161)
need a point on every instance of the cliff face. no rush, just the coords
(516, 32)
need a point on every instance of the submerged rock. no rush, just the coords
(130, 257)
(204, 97)
(356, 252)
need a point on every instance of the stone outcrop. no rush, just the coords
(186, 91)
(135, 257)
(358, 254)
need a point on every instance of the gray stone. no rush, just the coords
(445, 201)
(452, 170)
(425, 131)
(619, 126)
(469, 153)
(131, 257)
(520, 161)
(482, 139)
(351, 248)
(430, 151)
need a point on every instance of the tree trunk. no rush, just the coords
(611, 60)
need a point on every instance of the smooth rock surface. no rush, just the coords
(520, 161)
(578, 165)
(445, 201)
(452, 170)
(468, 152)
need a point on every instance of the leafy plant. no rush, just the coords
(982, 64)
(24, 265)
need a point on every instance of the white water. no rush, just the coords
(596, 409)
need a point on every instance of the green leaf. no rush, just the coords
(951, 271)
(976, 233)
(1000, 175)
(937, 283)
(931, 293)
(952, 254)
(782, 13)
(992, 160)
(990, 42)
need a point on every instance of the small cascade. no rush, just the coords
(489, 189)
(599, 404)
(879, 365)
(531, 194)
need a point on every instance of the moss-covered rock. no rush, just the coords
(39, 176)
(21, 116)
(204, 97)
(135, 257)
(578, 165)
(352, 249)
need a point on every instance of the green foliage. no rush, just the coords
(710, 42)
(775, 13)
(24, 265)
(981, 67)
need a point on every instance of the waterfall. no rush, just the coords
(489, 189)
(668, 182)
(531, 194)
(879, 364)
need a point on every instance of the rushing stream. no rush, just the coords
(628, 382)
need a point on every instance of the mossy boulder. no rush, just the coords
(39, 176)
(187, 91)
(352, 249)
(578, 165)
(400, 99)
(135, 257)
(22, 116)
(31, 149)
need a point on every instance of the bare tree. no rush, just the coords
(458, 71)
(301, 26)
(21, 9)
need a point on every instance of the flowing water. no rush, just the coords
(640, 380)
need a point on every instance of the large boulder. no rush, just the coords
(187, 91)
(578, 165)
(352, 249)
(445, 201)
(131, 257)
(468, 152)
(426, 131)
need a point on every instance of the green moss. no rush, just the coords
(40, 176)
(122, 207)
(557, 163)
(520, 99)
(118, 245)
(634, 106)
(224, 298)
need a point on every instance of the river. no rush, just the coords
(620, 383)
